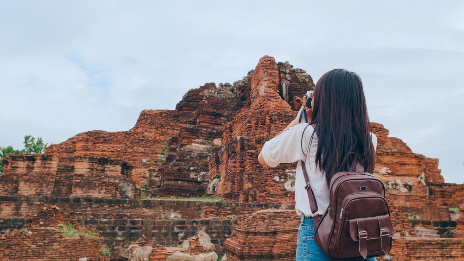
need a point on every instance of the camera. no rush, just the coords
(308, 99)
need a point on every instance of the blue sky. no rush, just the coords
(74, 66)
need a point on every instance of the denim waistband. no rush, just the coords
(305, 218)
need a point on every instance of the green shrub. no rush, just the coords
(164, 150)
(105, 250)
(90, 235)
(384, 148)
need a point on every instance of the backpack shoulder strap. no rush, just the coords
(312, 200)
(302, 135)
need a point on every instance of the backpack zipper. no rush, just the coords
(354, 178)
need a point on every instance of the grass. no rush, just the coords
(210, 198)
(384, 148)
(454, 209)
(105, 250)
(90, 235)
(69, 230)
(268, 209)
(412, 218)
(219, 258)
(145, 186)
(164, 150)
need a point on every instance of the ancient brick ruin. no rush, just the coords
(67, 176)
(268, 235)
(52, 235)
(120, 183)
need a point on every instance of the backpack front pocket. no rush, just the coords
(364, 217)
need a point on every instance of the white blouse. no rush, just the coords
(287, 148)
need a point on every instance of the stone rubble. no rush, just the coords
(145, 250)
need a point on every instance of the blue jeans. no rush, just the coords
(307, 249)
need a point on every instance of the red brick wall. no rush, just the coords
(264, 235)
(428, 249)
(50, 175)
(41, 239)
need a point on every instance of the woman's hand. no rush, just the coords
(309, 112)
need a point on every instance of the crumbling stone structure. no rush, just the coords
(209, 145)
(52, 235)
(242, 177)
(201, 113)
(139, 147)
(264, 235)
(76, 176)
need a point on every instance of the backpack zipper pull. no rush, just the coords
(341, 213)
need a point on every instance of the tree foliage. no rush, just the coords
(30, 146)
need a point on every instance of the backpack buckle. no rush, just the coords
(362, 234)
(384, 232)
(307, 186)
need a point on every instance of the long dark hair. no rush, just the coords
(341, 124)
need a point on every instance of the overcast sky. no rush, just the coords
(73, 66)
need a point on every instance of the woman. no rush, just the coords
(342, 139)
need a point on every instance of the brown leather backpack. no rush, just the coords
(357, 221)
